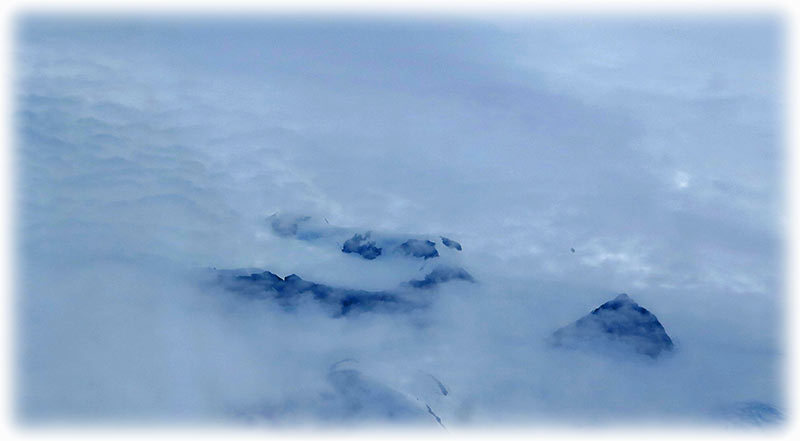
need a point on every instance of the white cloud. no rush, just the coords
(682, 180)
(149, 151)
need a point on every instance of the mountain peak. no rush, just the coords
(620, 322)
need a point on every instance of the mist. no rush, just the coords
(572, 159)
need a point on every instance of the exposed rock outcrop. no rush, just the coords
(419, 248)
(621, 323)
(450, 243)
(361, 245)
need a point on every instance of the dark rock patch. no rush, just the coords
(289, 291)
(441, 274)
(359, 244)
(450, 243)
(435, 417)
(620, 322)
(441, 386)
(419, 248)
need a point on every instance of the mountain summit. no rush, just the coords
(622, 323)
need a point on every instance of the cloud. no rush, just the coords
(151, 150)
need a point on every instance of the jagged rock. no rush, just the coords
(620, 322)
(439, 384)
(435, 417)
(419, 248)
(290, 290)
(450, 243)
(441, 274)
(359, 244)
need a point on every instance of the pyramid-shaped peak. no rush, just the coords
(271, 276)
(620, 322)
(292, 278)
(620, 301)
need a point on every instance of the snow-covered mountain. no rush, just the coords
(339, 221)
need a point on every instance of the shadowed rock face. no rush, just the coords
(292, 289)
(289, 291)
(359, 244)
(620, 322)
(450, 243)
(441, 274)
(419, 248)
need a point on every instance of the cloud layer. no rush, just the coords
(150, 151)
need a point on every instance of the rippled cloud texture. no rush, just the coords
(573, 159)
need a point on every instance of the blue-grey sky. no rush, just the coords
(652, 146)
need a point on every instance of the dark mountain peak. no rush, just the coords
(289, 292)
(293, 278)
(265, 277)
(619, 301)
(271, 276)
(621, 322)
